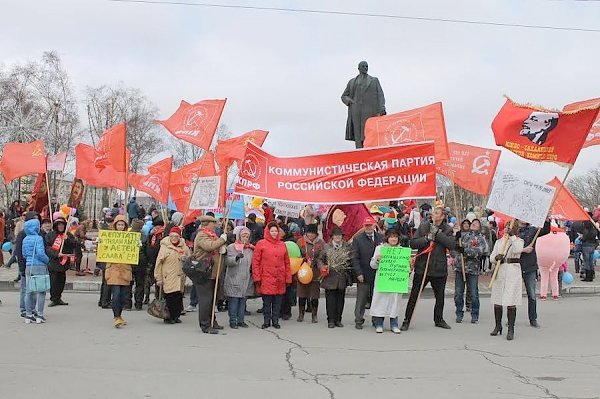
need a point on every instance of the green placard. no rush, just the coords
(394, 270)
(118, 247)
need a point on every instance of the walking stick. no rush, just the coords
(214, 302)
(422, 283)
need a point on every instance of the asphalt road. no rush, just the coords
(79, 354)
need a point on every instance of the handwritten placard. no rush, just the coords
(394, 270)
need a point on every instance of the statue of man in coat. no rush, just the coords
(364, 98)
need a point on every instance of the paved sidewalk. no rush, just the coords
(92, 283)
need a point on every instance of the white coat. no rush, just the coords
(384, 304)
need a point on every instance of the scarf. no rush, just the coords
(239, 246)
(210, 233)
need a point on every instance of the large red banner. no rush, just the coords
(538, 134)
(370, 174)
(470, 167)
(593, 137)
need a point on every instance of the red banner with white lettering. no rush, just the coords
(593, 137)
(371, 174)
(470, 167)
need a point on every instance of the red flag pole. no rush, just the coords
(48, 194)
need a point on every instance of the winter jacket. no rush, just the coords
(133, 210)
(118, 273)
(168, 265)
(589, 235)
(443, 240)
(206, 245)
(256, 232)
(271, 266)
(362, 251)
(311, 253)
(529, 260)
(20, 236)
(59, 246)
(340, 275)
(238, 272)
(33, 249)
(473, 245)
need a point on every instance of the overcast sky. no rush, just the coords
(284, 72)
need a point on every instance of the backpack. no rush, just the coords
(156, 235)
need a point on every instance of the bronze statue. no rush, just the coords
(364, 98)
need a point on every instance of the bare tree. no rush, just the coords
(184, 153)
(107, 106)
(37, 102)
(586, 188)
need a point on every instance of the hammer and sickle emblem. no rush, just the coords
(251, 168)
(481, 164)
(37, 151)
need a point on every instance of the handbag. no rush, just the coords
(199, 271)
(158, 307)
(37, 282)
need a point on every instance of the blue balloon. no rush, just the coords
(567, 278)
(7, 246)
(596, 254)
(453, 219)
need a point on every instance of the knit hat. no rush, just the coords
(137, 224)
(175, 230)
(311, 228)
(239, 232)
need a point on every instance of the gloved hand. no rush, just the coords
(222, 249)
(499, 257)
(239, 256)
(223, 237)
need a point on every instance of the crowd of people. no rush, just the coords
(251, 260)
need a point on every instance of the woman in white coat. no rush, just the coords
(385, 304)
(506, 289)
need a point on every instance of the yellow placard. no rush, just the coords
(118, 247)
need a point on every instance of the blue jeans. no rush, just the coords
(34, 301)
(588, 257)
(22, 292)
(459, 294)
(378, 321)
(530, 278)
(236, 309)
(576, 252)
(193, 297)
(120, 294)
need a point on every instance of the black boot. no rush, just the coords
(512, 315)
(300, 318)
(498, 317)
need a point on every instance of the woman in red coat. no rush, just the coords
(271, 273)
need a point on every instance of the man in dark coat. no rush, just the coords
(363, 246)
(529, 266)
(441, 236)
(256, 229)
(364, 98)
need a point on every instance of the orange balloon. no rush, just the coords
(305, 274)
(295, 264)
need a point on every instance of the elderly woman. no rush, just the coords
(238, 282)
(506, 288)
(311, 247)
(386, 304)
(169, 274)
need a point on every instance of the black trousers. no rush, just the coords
(271, 308)
(105, 292)
(57, 285)
(205, 303)
(334, 303)
(438, 284)
(139, 279)
(175, 303)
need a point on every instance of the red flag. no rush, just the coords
(181, 179)
(232, 150)
(419, 124)
(593, 137)
(540, 134)
(350, 218)
(85, 157)
(565, 206)
(39, 195)
(196, 123)
(156, 182)
(111, 149)
(470, 167)
(57, 162)
(22, 159)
